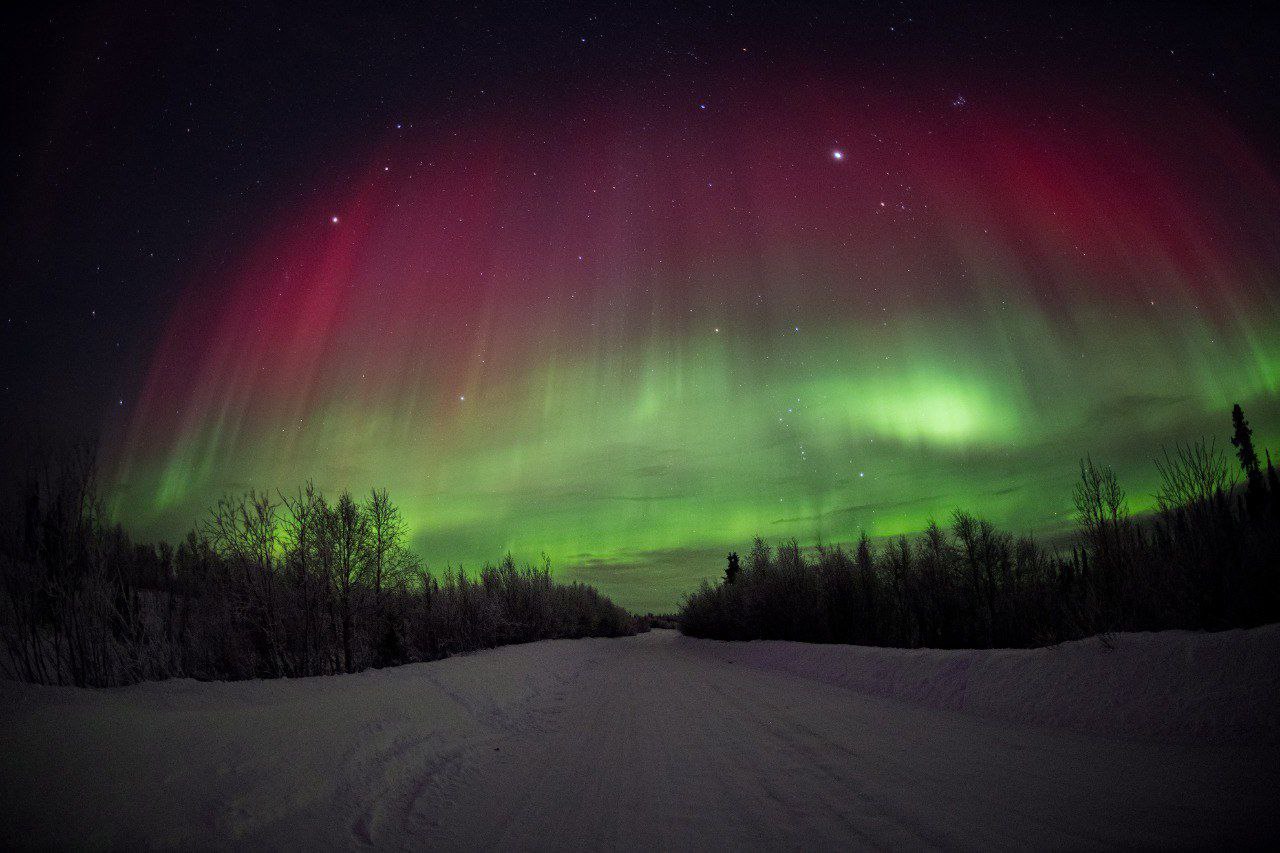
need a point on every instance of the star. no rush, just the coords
(837, 154)
(334, 219)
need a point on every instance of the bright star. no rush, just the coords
(333, 219)
(837, 154)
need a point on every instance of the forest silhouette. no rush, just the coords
(1206, 559)
(298, 585)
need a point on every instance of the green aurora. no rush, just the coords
(635, 360)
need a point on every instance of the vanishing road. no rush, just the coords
(649, 742)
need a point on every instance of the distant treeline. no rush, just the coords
(1209, 558)
(266, 587)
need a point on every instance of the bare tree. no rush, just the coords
(390, 562)
(303, 529)
(1101, 505)
(1193, 475)
(244, 531)
(348, 532)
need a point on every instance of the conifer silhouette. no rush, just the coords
(1255, 488)
(731, 570)
(1243, 442)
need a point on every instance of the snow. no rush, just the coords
(1171, 685)
(1167, 739)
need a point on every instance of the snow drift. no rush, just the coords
(1170, 685)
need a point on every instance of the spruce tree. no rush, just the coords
(731, 571)
(1255, 488)
(1243, 442)
(1273, 486)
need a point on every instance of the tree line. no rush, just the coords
(1208, 557)
(292, 585)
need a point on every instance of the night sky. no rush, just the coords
(630, 284)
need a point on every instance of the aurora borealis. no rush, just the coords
(632, 323)
(624, 338)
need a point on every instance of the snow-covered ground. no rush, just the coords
(661, 741)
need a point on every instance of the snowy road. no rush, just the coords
(655, 741)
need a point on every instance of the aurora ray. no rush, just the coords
(631, 337)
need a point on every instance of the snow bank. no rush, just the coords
(1171, 685)
(288, 763)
